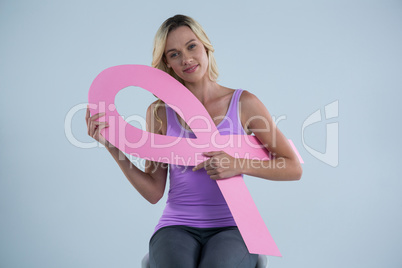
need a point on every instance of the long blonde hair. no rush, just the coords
(158, 54)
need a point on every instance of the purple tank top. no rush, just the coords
(194, 199)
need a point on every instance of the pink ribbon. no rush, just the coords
(182, 151)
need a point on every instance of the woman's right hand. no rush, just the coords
(94, 127)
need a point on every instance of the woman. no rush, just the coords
(197, 228)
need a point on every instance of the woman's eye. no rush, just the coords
(191, 46)
(173, 55)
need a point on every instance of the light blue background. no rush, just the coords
(64, 206)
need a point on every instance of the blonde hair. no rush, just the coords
(158, 54)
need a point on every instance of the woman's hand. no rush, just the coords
(220, 165)
(94, 127)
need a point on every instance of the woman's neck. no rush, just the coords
(205, 90)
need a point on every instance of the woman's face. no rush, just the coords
(186, 55)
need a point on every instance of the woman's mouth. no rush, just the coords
(191, 69)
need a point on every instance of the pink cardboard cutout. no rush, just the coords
(182, 151)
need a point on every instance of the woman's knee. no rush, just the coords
(227, 249)
(173, 247)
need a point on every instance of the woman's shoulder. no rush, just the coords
(252, 109)
(247, 98)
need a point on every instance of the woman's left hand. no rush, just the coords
(220, 165)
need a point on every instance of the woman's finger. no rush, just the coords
(98, 134)
(88, 114)
(90, 119)
(95, 125)
(92, 125)
(214, 162)
(201, 165)
(209, 166)
(216, 177)
(212, 172)
(102, 125)
(213, 153)
(96, 116)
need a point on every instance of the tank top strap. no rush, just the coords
(232, 123)
(233, 111)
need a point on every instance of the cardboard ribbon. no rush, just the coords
(178, 150)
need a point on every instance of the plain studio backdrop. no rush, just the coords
(329, 72)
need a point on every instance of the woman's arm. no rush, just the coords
(256, 119)
(285, 165)
(151, 183)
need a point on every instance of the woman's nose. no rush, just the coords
(186, 59)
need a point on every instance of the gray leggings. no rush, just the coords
(189, 247)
